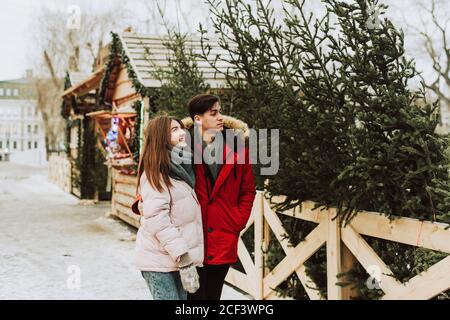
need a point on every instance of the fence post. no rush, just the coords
(334, 292)
(259, 257)
(348, 262)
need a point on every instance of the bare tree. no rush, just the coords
(180, 15)
(434, 31)
(60, 46)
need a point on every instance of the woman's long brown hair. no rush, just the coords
(155, 159)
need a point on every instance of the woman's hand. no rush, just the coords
(188, 274)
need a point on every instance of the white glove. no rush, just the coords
(188, 274)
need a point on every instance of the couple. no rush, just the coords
(193, 211)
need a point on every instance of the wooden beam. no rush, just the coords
(304, 211)
(302, 252)
(426, 285)
(259, 255)
(334, 292)
(246, 260)
(122, 178)
(126, 214)
(369, 258)
(348, 263)
(425, 234)
(125, 189)
(277, 228)
(240, 280)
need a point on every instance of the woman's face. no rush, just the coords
(177, 135)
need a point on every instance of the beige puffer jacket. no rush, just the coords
(166, 234)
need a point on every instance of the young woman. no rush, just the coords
(169, 243)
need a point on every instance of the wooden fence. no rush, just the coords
(123, 194)
(60, 171)
(343, 246)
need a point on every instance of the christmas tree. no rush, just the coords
(356, 129)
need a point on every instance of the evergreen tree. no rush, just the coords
(180, 79)
(354, 135)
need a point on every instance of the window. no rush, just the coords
(8, 92)
(16, 92)
(35, 129)
(35, 144)
(1, 144)
(2, 91)
(15, 145)
(28, 128)
(29, 144)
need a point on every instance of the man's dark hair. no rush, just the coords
(201, 103)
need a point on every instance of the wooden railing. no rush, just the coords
(344, 245)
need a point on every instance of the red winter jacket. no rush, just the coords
(225, 208)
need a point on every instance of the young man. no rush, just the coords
(225, 189)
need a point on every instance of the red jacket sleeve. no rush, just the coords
(247, 191)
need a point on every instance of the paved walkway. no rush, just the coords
(47, 238)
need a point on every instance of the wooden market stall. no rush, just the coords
(127, 87)
(88, 179)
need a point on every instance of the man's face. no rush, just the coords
(212, 119)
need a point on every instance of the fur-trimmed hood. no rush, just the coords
(239, 127)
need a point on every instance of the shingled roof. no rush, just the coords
(144, 53)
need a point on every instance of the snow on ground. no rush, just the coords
(47, 238)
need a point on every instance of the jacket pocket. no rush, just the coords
(230, 220)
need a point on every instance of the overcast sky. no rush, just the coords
(16, 15)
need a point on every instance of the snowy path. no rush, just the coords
(44, 231)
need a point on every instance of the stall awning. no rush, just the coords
(84, 87)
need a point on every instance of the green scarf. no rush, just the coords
(181, 167)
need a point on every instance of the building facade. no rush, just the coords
(22, 134)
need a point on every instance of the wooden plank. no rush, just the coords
(266, 243)
(426, 285)
(308, 284)
(277, 228)
(246, 260)
(239, 280)
(250, 221)
(334, 292)
(425, 234)
(368, 258)
(259, 255)
(123, 86)
(124, 200)
(304, 211)
(302, 252)
(348, 262)
(138, 49)
(122, 178)
(125, 189)
(274, 296)
(126, 215)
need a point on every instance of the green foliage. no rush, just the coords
(117, 54)
(353, 134)
(180, 79)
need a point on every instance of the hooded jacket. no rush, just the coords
(169, 228)
(226, 206)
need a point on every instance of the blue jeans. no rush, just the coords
(165, 285)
